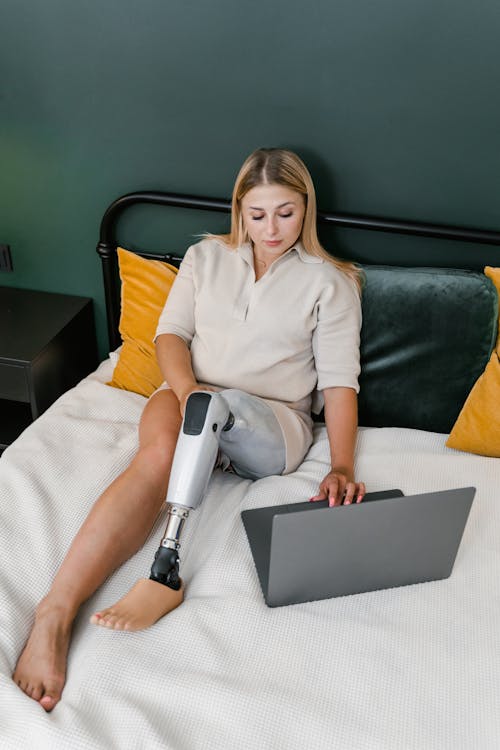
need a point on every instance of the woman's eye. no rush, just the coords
(281, 216)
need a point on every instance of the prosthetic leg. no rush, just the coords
(206, 416)
(246, 429)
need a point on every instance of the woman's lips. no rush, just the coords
(273, 243)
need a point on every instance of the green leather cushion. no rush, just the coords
(427, 336)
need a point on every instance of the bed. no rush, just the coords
(416, 667)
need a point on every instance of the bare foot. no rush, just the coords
(144, 604)
(41, 669)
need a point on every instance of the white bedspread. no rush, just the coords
(409, 668)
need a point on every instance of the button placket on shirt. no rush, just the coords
(252, 289)
(243, 303)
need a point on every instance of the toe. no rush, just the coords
(52, 694)
(103, 618)
(37, 692)
(24, 686)
(27, 689)
(120, 621)
(126, 622)
(48, 702)
(110, 620)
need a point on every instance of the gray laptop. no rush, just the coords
(308, 551)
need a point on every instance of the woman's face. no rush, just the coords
(273, 216)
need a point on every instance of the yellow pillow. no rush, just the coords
(145, 288)
(477, 429)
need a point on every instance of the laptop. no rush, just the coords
(308, 551)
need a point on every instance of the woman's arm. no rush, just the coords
(174, 359)
(341, 417)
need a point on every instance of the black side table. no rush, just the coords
(47, 344)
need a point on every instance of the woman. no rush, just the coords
(263, 311)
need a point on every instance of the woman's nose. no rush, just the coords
(271, 226)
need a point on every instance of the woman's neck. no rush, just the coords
(262, 260)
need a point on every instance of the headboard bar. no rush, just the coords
(352, 221)
(108, 243)
(418, 229)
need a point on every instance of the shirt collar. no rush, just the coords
(304, 256)
(245, 251)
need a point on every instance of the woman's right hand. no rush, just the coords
(185, 395)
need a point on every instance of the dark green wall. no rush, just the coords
(394, 105)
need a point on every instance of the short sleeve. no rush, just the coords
(336, 337)
(177, 316)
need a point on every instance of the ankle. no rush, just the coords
(56, 607)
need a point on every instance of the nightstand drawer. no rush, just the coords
(13, 382)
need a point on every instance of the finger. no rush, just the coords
(361, 492)
(338, 491)
(350, 491)
(334, 500)
(322, 496)
(335, 492)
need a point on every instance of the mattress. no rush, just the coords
(416, 667)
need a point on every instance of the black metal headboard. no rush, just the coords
(108, 243)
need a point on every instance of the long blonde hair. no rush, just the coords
(278, 166)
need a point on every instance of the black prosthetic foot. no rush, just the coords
(165, 568)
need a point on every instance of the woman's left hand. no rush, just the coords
(339, 487)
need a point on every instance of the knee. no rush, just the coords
(155, 458)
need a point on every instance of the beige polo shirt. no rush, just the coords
(283, 338)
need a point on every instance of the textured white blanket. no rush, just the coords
(411, 668)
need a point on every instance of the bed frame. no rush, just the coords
(107, 244)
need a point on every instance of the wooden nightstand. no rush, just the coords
(47, 344)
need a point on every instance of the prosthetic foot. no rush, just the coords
(145, 603)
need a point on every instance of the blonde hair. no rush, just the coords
(277, 166)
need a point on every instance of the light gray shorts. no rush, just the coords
(268, 437)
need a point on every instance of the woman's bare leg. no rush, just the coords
(116, 527)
